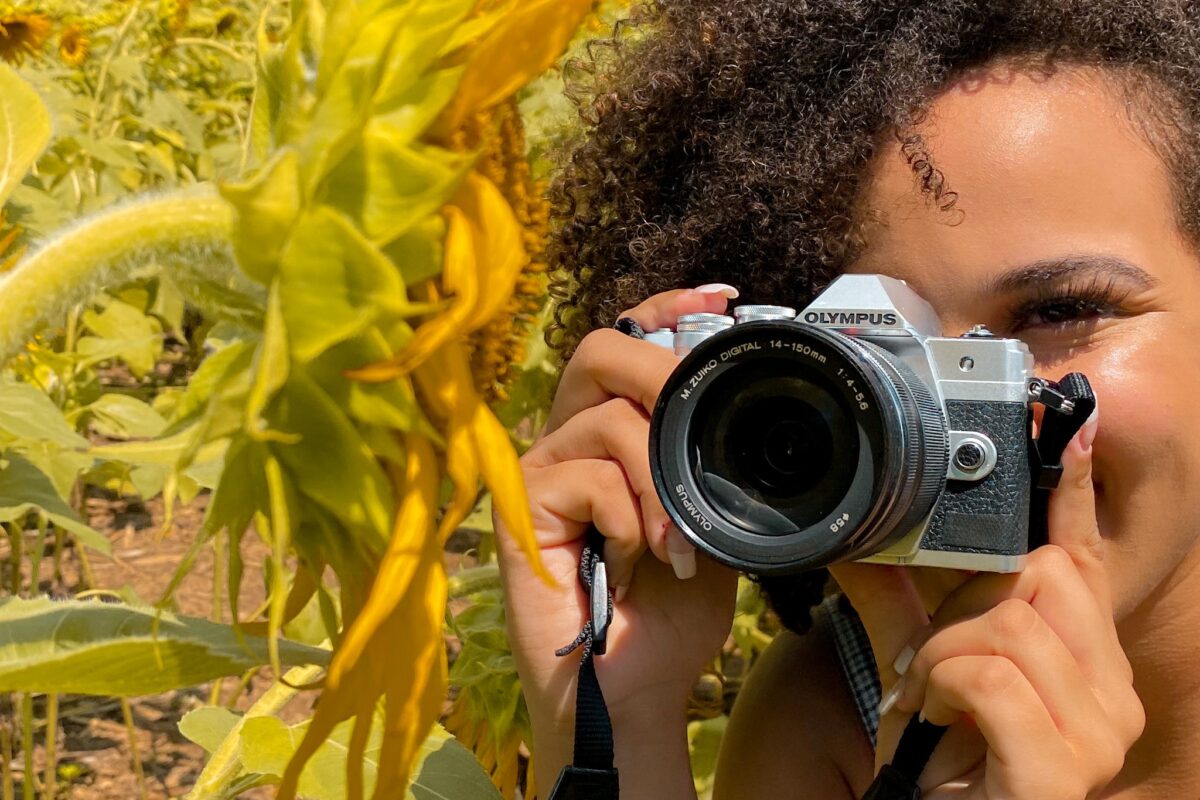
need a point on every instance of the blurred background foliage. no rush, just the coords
(146, 98)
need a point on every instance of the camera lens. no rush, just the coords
(766, 447)
(778, 446)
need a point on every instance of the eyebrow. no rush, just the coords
(1071, 267)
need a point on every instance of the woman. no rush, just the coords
(1032, 166)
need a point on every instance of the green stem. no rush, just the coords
(224, 767)
(35, 557)
(7, 790)
(131, 731)
(28, 780)
(473, 580)
(16, 538)
(50, 782)
(100, 251)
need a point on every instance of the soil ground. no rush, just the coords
(94, 755)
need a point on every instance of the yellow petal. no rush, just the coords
(415, 688)
(406, 550)
(360, 665)
(528, 39)
(483, 259)
(502, 474)
(499, 252)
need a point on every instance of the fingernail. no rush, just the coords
(921, 716)
(1087, 434)
(904, 659)
(620, 593)
(891, 698)
(681, 553)
(718, 288)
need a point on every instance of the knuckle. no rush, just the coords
(620, 412)
(592, 346)
(610, 477)
(1108, 757)
(994, 676)
(1051, 560)
(1014, 619)
(1133, 718)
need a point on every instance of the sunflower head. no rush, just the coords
(73, 46)
(22, 34)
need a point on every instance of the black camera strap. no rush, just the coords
(591, 775)
(1068, 404)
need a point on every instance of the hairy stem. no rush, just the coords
(103, 250)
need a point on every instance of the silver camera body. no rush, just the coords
(852, 430)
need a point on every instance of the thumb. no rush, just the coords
(1071, 512)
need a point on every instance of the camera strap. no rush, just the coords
(1068, 403)
(591, 774)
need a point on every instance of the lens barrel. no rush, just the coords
(778, 446)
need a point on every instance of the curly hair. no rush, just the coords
(728, 141)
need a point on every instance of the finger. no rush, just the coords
(570, 496)
(609, 364)
(1051, 583)
(1027, 758)
(616, 430)
(1016, 632)
(662, 310)
(889, 606)
(1071, 513)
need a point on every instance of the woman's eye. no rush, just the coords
(1062, 311)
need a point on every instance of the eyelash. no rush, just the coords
(1072, 303)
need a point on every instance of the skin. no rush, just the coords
(1072, 679)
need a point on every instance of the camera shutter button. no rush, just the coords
(969, 456)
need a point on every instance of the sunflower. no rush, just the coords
(73, 46)
(21, 35)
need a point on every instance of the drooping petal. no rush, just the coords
(510, 53)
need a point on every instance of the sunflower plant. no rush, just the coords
(372, 266)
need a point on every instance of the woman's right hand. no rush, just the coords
(591, 466)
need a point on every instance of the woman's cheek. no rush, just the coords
(1146, 457)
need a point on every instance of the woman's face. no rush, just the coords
(1067, 239)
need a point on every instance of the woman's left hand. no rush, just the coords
(1025, 668)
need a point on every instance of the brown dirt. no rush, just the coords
(94, 755)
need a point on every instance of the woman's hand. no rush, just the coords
(592, 466)
(1026, 669)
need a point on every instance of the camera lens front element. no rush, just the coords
(779, 446)
(773, 450)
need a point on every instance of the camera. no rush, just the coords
(851, 431)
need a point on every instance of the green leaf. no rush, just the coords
(88, 647)
(444, 769)
(136, 336)
(24, 129)
(24, 489)
(120, 416)
(333, 283)
(26, 413)
(704, 741)
(268, 206)
(431, 25)
(391, 186)
(331, 464)
(208, 726)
